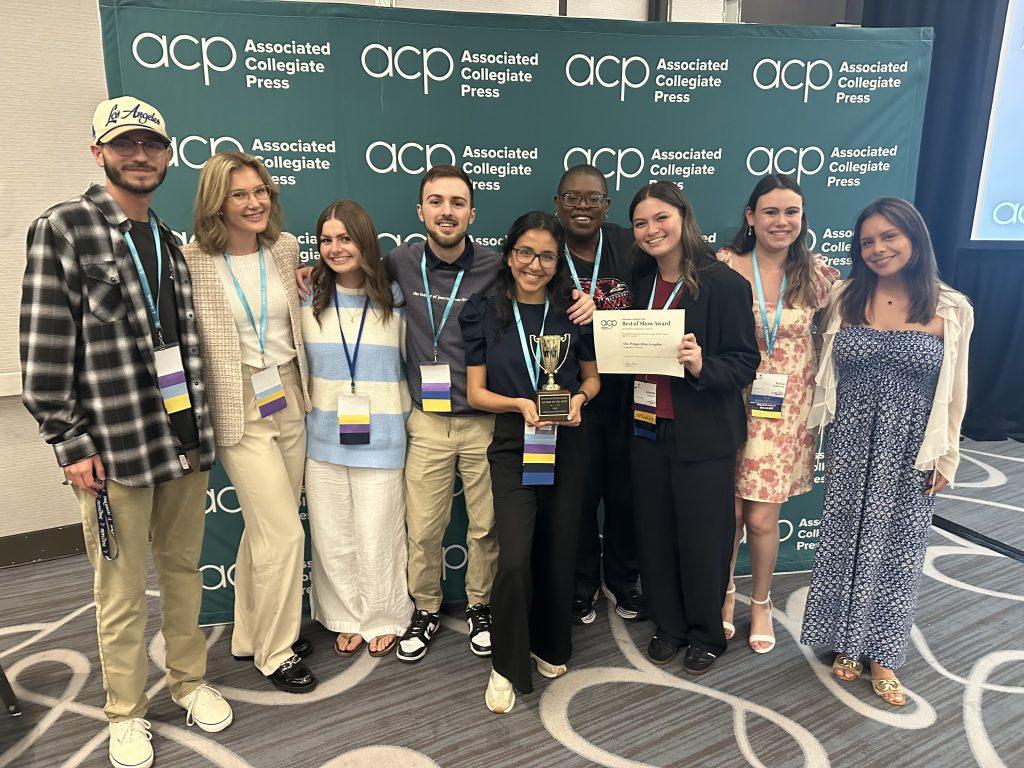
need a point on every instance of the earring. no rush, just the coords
(750, 231)
(220, 214)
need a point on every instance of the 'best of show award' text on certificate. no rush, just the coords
(639, 340)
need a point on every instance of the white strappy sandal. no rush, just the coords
(728, 626)
(770, 639)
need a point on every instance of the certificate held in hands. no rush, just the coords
(639, 341)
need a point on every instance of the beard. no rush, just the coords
(445, 240)
(116, 177)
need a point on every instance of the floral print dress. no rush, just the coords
(777, 461)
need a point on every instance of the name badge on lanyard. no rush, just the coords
(768, 392)
(170, 371)
(353, 409)
(267, 388)
(645, 409)
(436, 378)
(539, 454)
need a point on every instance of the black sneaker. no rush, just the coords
(413, 645)
(631, 606)
(661, 651)
(293, 676)
(697, 661)
(583, 609)
(478, 617)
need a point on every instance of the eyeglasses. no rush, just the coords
(525, 257)
(573, 199)
(126, 147)
(240, 197)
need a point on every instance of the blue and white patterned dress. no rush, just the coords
(876, 518)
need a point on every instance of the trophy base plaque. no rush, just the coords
(553, 404)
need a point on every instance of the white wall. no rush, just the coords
(45, 159)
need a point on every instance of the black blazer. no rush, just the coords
(711, 420)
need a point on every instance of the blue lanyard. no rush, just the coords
(671, 296)
(770, 337)
(261, 332)
(154, 306)
(351, 359)
(532, 361)
(597, 266)
(430, 303)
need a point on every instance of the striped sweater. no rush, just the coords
(380, 375)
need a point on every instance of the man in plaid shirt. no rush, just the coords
(112, 373)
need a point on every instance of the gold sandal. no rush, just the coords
(888, 688)
(844, 662)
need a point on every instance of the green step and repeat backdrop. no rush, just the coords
(356, 102)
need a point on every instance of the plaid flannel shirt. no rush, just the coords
(88, 367)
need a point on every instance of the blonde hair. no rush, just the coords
(214, 184)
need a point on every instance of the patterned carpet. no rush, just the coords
(965, 679)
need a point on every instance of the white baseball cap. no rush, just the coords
(125, 113)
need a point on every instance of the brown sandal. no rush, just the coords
(345, 652)
(385, 650)
(889, 688)
(844, 662)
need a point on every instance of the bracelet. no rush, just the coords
(586, 397)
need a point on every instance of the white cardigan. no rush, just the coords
(941, 446)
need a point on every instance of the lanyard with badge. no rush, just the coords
(105, 525)
(353, 409)
(597, 266)
(170, 371)
(538, 442)
(769, 389)
(645, 393)
(266, 382)
(436, 378)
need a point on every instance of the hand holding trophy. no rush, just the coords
(552, 400)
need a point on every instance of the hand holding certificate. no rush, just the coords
(639, 341)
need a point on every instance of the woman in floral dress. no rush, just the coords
(890, 394)
(777, 461)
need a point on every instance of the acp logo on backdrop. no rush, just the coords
(624, 73)
(408, 62)
(193, 151)
(793, 75)
(618, 164)
(1008, 213)
(187, 52)
(411, 157)
(798, 161)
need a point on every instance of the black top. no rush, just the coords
(183, 422)
(710, 418)
(465, 260)
(502, 352)
(613, 292)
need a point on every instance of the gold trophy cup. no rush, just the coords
(552, 400)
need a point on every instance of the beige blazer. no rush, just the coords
(218, 335)
(941, 446)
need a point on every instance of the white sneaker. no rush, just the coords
(500, 696)
(206, 708)
(130, 744)
(550, 671)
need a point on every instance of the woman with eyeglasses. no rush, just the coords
(598, 254)
(537, 467)
(683, 463)
(247, 308)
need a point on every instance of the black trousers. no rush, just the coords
(608, 479)
(685, 529)
(538, 527)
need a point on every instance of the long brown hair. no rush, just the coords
(211, 194)
(799, 264)
(360, 228)
(921, 274)
(696, 253)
